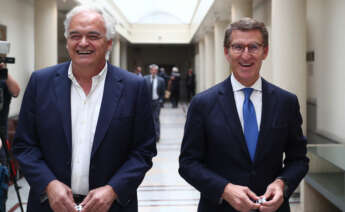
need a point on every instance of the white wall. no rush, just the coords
(262, 12)
(18, 16)
(314, 43)
(46, 23)
(326, 21)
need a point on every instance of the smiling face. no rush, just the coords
(86, 42)
(246, 65)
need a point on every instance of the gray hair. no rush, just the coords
(246, 24)
(109, 21)
(153, 66)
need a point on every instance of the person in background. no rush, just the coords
(85, 134)
(8, 88)
(164, 75)
(156, 86)
(190, 84)
(138, 71)
(175, 86)
(243, 146)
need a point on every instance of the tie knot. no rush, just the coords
(247, 92)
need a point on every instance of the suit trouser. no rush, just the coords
(175, 95)
(156, 109)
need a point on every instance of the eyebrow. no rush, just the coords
(240, 43)
(88, 33)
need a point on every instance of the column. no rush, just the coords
(288, 49)
(116, 52)
(123, 55)
(209, 60)
(46, 42)
(222, 67)
(201, 76)
(197, 67)
(240, 9)
(289, 67)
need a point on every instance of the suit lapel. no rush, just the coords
(227, 101)
(268, 106)
(63, 101)
(111, 96)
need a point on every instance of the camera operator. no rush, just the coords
(8, 88)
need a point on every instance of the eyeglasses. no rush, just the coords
(253, 48)
(91, 36)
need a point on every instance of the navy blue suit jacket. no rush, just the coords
(160, 86)
(214, 151)
(124, 141)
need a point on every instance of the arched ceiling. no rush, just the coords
(145, 11)
(163, 21)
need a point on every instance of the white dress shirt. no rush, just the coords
(154, 88)
(84, 114)
(256, 98)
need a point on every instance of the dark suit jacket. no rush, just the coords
(124, 141)
(214, 150)
(160, 86)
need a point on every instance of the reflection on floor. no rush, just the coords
(162, 190)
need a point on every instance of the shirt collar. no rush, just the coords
(237, 86)
(101, 75)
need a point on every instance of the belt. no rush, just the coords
(78, 198)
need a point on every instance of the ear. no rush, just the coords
(226, 51)
(265, 52)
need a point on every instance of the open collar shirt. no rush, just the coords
(84, 113)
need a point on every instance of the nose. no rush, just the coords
(245, 54)
(83, 41)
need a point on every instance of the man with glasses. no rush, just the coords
(86, 136)
(237, 132)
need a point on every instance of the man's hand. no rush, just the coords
(99, 199)
(12, 85)
(241, 198)
(60, 197)
(274, 196)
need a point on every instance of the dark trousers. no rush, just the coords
(156, 109)
(190, 93)
(175, 95)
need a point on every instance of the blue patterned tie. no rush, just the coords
(250, 124)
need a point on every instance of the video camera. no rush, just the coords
(5, 49)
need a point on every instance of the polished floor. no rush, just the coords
(162, 190)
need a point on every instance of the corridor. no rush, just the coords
(162, 190)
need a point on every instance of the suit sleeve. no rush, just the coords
(162, 90)
(296, 161)
(127, 179)
(26, 146)
(193, 154)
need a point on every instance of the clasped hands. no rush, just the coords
(60, 198)
(243, 199)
